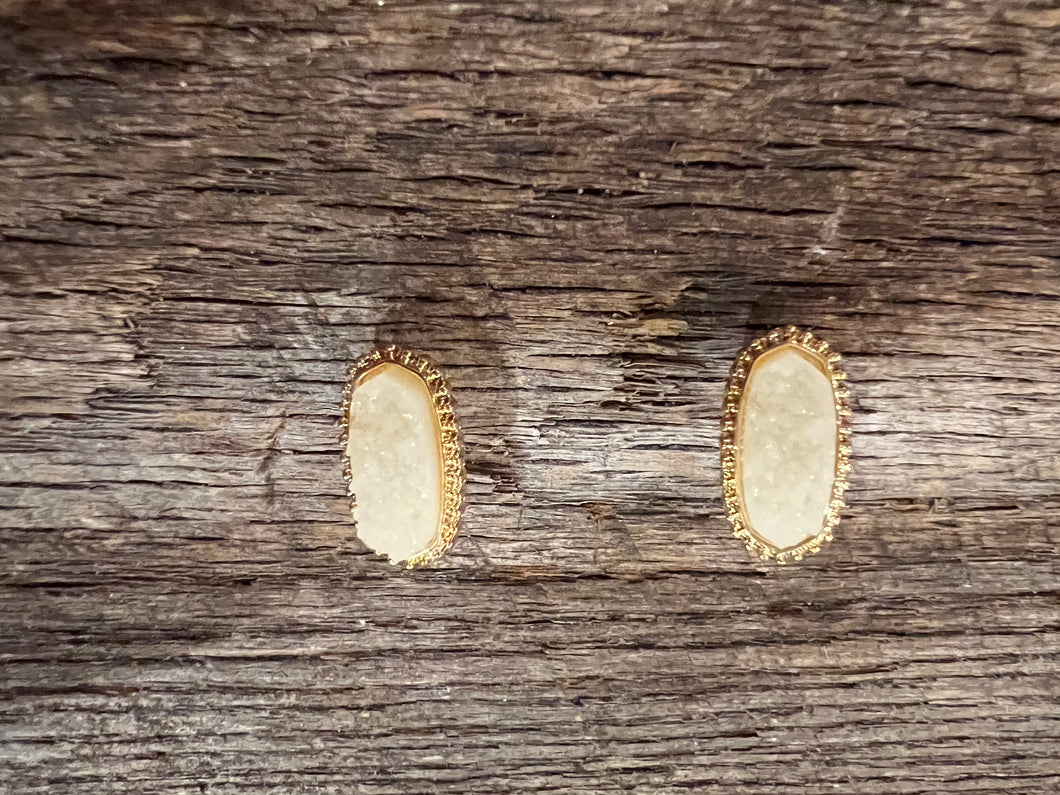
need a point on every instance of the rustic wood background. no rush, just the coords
(582, 212)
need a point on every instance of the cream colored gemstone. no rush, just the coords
(395, 455)
(787, 446)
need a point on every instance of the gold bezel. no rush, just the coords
(452, 457)
(828, 360)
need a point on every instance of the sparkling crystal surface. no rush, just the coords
(395, 458)
(787, 447)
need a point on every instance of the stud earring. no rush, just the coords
(401, 454)
(785, 444)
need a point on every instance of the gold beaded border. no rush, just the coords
(829, 361)
(452, 454)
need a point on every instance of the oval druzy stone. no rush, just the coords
(785, 444)
(396, 451)
(788, 435)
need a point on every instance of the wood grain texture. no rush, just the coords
(582, 212)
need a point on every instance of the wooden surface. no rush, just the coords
(582, 212)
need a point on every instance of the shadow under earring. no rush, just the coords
(402, 458)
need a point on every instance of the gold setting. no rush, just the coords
(828, 361)
(449, 433)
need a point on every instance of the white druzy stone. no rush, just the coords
(395, 455)
(788, 441)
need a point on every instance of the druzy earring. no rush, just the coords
(785, 444)
(401, 456)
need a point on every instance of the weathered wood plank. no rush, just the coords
(582, 212)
